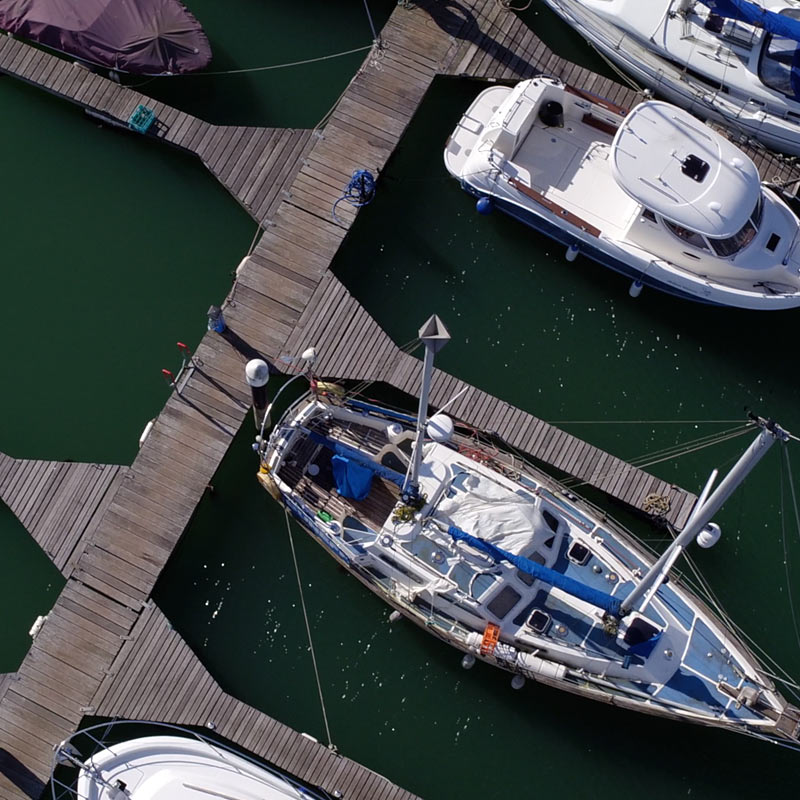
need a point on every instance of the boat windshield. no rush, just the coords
(733, 244)
(779, 65)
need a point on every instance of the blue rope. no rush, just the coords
(360, 191)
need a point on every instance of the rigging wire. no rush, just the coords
(331, 745)
(275, 66)
(783, 540)
(672, 452)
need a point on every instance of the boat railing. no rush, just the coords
(67, 754)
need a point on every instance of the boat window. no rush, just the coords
(648, 215)
(526, 577)
(733, 244)
(503, 602)
(551, 519)
(461, 575)
(687, 235)
(779, 65)
(481, 584)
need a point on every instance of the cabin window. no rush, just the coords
(687, 235)
(648, 215)
(481, 584)
(551, 520)
(503, 602)
(777, 66)
(725, 248)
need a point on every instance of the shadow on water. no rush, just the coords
(246, 37)
(231, 591)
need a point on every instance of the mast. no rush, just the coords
(706, 508)
(434, 336)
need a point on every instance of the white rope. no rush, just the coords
(331, 746)
(275, 66)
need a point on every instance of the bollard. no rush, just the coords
(257, 375)
(216, 322)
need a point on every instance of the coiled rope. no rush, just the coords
(360, 191)
(331, 745)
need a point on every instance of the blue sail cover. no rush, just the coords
(359, 458)
(557, 579)
(754, 14)
(352, 479)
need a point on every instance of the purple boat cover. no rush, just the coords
(146, 37)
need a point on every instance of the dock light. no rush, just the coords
(216, 322)
(256, 373)
(309, 355)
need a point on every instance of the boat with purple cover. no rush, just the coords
(143, 37)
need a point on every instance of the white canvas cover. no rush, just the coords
(494, 513)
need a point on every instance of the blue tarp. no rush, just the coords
(359, 458)
(646, 647)
(557, 579)
(754, 14)
(352, 479)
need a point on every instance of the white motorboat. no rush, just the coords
(732, 61)
(175, 764)
(652, 193)
(503, 563)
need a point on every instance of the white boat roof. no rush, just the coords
(675, 165)
(642, 16)
(175, 768)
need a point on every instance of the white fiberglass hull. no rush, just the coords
(176, 768)
(558, 206)
(695, 673)
(772, 120)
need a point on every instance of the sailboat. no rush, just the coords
(505, 564)
(731, 61)
(174, 763)
(651, 192)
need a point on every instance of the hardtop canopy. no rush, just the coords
(678, 167)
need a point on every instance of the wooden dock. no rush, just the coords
(105, 649)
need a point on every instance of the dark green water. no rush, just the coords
(564, 341)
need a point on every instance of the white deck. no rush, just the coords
(571, 166)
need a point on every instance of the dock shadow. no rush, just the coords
(455, 18)
(16, 772)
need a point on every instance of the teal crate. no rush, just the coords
(142, 118)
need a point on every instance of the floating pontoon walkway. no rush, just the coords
(105, 649)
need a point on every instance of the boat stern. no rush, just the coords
(471, 129)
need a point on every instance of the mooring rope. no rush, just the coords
(360, 191)
(274, 66)
(331, 745)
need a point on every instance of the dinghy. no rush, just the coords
(500, 561)
(732, 61)
(652, 193)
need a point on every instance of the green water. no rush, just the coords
(564, 341)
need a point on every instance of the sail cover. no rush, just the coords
(754, 14)
(569, 585)
(145, 37)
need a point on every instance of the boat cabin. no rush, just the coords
(701, 196)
